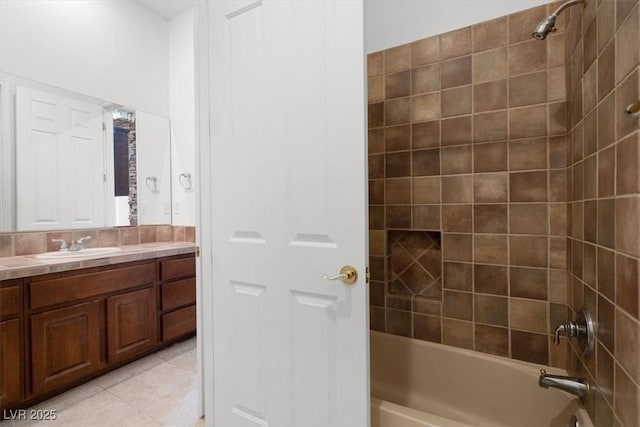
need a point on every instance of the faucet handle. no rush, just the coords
(583, 328)
(80, 242)
(556, 334)
(571, 329)
(63, 244)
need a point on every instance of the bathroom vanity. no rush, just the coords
(81, 319)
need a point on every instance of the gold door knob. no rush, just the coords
(348, 275)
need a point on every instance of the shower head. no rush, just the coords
(548, 24)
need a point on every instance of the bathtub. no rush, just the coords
(416, 383)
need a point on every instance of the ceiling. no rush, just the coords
(168, 8)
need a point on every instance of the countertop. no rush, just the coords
(28, 265)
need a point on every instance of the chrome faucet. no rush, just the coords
(576, 386)
(78, 245)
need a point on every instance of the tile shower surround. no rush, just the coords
(481, 192)
(28, 243)
(603, 249)
(467, 144)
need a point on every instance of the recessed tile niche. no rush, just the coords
(416, 263)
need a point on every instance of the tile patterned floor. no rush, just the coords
(159, 390)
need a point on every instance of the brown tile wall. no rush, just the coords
(602, 54)
(27, 243)
(467, 141)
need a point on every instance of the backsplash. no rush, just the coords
(603, 54)
(27, 243)
(467, 146)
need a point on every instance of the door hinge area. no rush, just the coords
(367, 275)
(198, 251)
(104, 127)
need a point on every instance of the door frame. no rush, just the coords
(204, 264)
(109, 172)
(7, 153)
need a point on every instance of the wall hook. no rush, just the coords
(185, 180)
(154, 183)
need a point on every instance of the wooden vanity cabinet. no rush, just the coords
(61, 329)
(11, 345)
(82, 321)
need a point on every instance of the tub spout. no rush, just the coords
(576, 386)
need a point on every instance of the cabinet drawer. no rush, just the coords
(177, 268)
(74, 287)
(177, 294)
(10, 301)
(179, 322)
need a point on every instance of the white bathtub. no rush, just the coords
(416, 383)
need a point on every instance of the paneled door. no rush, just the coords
(289, 207)
(59, 162)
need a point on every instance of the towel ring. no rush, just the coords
(633, 110)
(187, 177)
(154, 183)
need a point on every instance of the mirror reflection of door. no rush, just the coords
(59, 162)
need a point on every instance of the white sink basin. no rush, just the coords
(84, 253)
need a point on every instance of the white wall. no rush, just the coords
(116, 50)
(153, 160)
(182, 113)
(391, 23)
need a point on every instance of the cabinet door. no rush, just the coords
(131, 324)
(65, 345)
(10, 372)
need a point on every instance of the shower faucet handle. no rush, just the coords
(583, 328)
(570, 329)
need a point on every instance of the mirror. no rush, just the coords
(96, 113)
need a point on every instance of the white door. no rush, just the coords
(289, 206)
(153, 157)
(59, 162)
